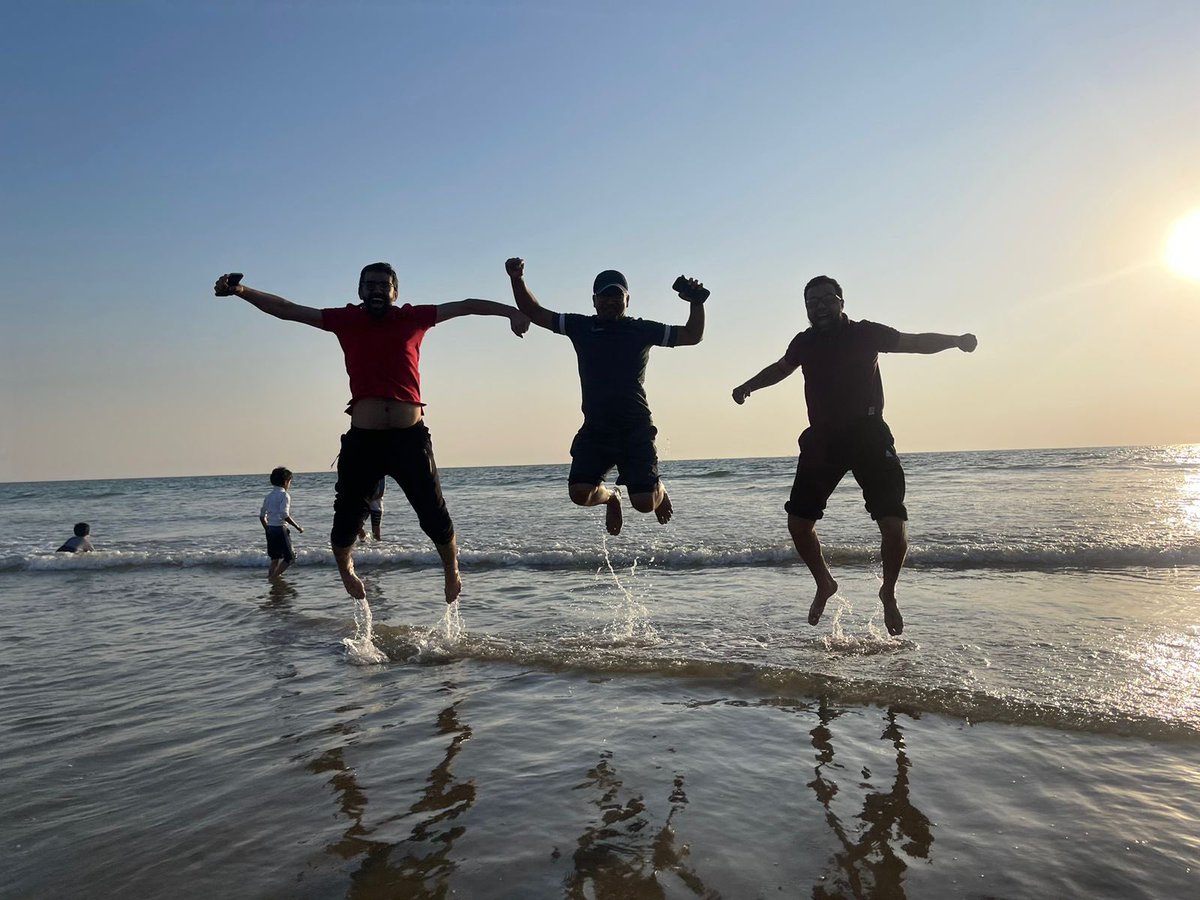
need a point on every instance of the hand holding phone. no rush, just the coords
(226, 285)
(690, 289)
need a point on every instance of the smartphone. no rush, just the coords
(682, 287)
(233, 279)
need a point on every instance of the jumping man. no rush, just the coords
(613, 350)
(387, 433)
(844, 394)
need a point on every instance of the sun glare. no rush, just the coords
(1183, 246)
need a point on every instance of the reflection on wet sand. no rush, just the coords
(868, 864)
(619, 857)
(420, 866)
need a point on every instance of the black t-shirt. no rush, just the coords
(612, 358)
(841, 370)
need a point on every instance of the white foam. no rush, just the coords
(361, 649)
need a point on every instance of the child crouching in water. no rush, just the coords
(275, 515)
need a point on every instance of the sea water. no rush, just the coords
(644, 715)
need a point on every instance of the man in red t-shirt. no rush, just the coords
(387, 436)
(846, 433)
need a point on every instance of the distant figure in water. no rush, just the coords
(375, 507)
(612, 350)
(387, 436)
(844, 393)
(80, 543)
(275, 514)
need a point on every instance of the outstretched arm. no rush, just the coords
(526, 302)
(692, 331)
(931, 342)
(231, 286)
(772, 374)
(517, 320)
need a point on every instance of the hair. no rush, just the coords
(379, 267)
(280, 476)
(83, 529)
(823, 279)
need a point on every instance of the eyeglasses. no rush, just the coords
(822, 300)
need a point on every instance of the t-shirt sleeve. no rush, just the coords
(659, 335)
(568, 323)
(794, 355)
(335, 318)
(424, 316)
(883, 338)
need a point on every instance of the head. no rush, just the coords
(610, 294)
(281, 477)
(823, 302)
(378, 288)
(83, 529)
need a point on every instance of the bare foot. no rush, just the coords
(891, 612)
(818, 605)
(354, 586)
(453, 585)
(664, 510)
(613, 517)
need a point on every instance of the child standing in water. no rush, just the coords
(275, 515)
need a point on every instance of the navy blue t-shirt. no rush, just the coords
(612, 358)
(841, 370)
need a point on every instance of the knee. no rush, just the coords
(581, 494)
(801, 528)
(893, 528)
(643, 503)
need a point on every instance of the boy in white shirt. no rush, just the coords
(275, 515)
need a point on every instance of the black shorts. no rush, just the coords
(279, 543)
(404, 454)
(595, 451)
(864, 447)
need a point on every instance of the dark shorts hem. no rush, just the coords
(405, 455)
(595, 452)
(864, 447)
(279, 543)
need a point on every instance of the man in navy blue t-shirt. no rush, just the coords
(613, 350)
(846, 433)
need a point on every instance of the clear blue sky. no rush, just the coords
(1008, 169)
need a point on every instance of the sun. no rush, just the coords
(1183, 246)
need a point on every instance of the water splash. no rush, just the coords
(452, 625)
(361, 649)
(631, 618)
(441, 642)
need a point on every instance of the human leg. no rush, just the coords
(893, 550)
(878, 471)
(804, 536)
(360, 466)
(819, 469)
(415, 470)
(638, 471)
(591, 460)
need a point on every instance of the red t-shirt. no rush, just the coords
(841, 370)
(383, 356)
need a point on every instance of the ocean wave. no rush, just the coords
(960, 558)
(785, 687)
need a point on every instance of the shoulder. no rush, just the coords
(337, 317)
(884, 336)
(571, 324)
(423, 315)
(655, 332)
(797, 346)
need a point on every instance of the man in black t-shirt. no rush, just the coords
(613, 350)
(844, 394)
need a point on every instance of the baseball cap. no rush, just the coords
(609, 278)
